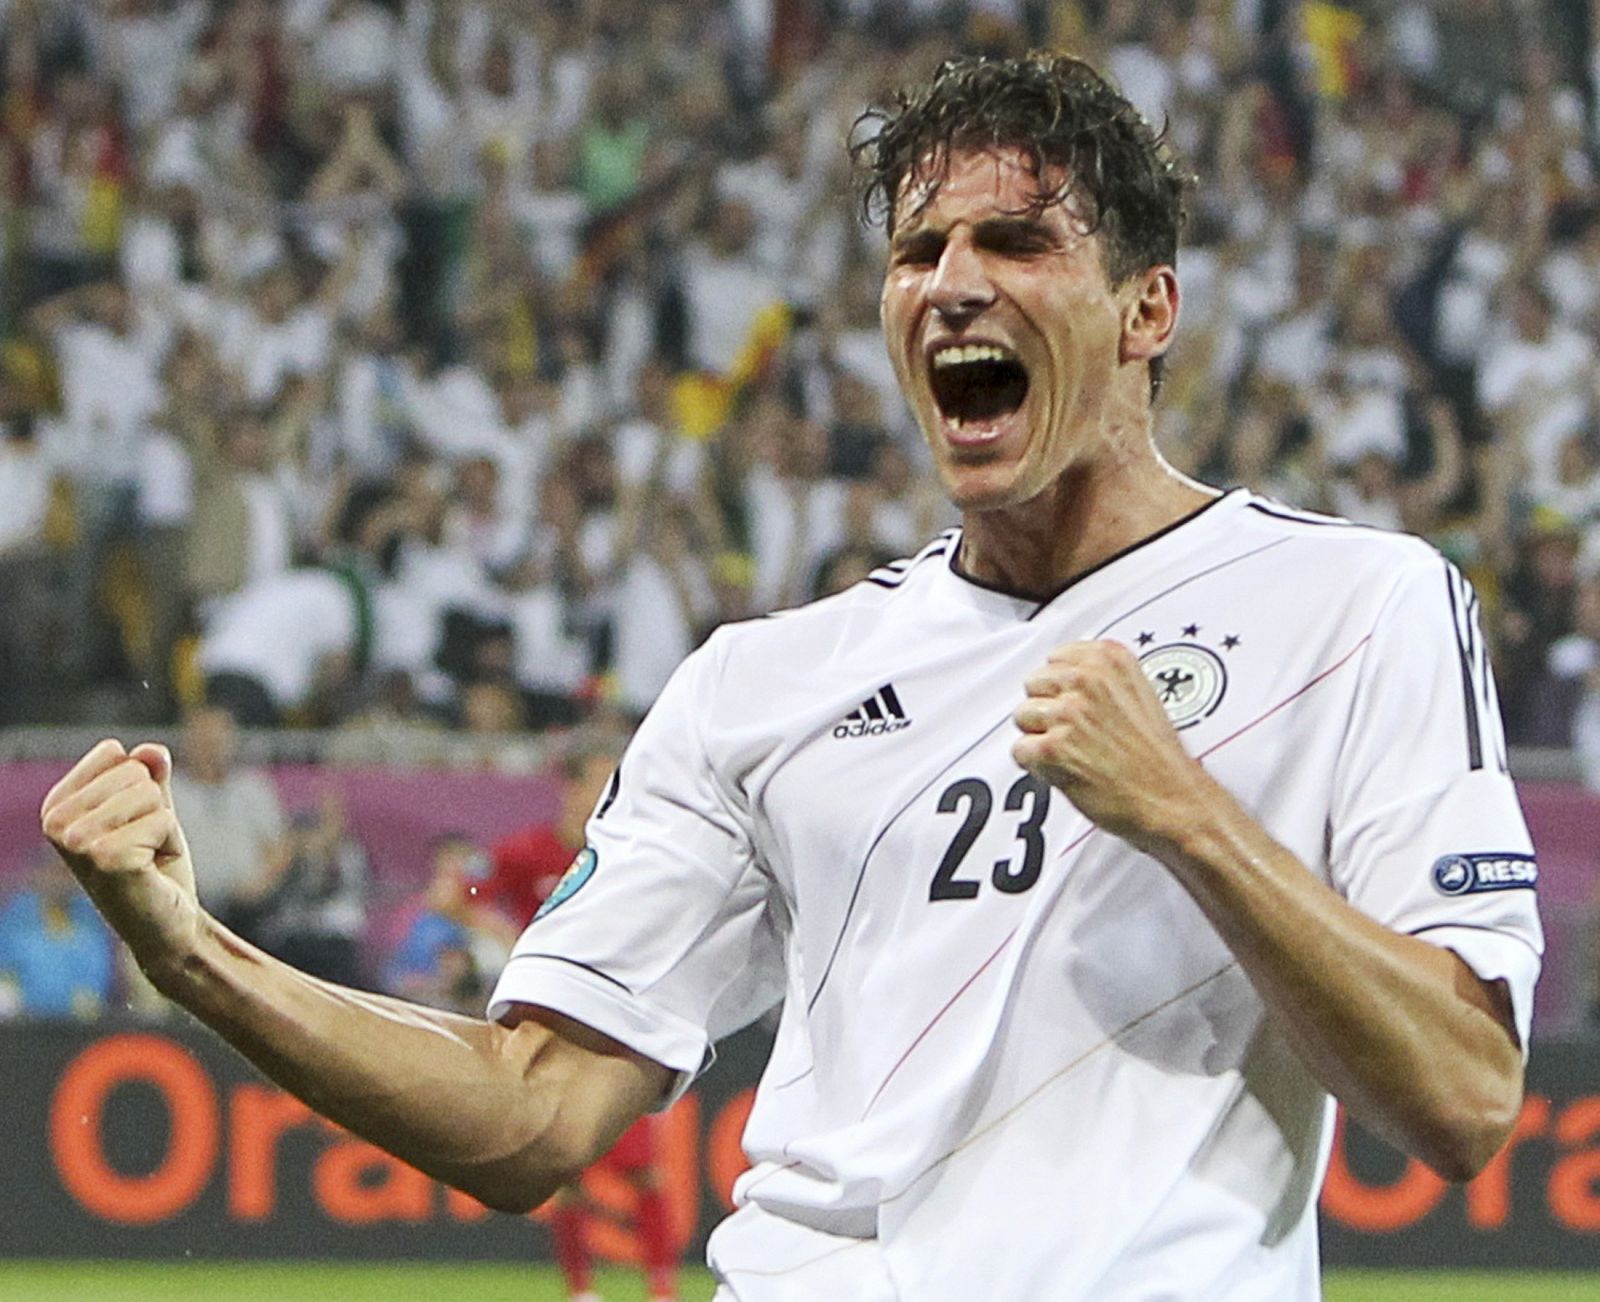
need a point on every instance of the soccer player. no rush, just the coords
(635, 1158)
(528, 866)
(1089, 851)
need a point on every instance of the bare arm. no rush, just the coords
(1400, 1031)
(508, 1113)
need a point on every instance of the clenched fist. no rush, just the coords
(1093, 726)
(112, 820)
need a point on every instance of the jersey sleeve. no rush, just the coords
(661, 934)
(1426, 834)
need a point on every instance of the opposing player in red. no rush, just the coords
(529, 866)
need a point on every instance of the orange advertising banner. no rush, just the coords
(147, 1141)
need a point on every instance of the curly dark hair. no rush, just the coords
(1059, 111)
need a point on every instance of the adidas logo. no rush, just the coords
(879, 713)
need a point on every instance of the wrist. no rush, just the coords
(162, 926)
(1194, 824)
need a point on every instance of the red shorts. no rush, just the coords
(635, 1151)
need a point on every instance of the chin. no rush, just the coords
(987, 488)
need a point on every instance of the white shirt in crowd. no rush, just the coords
(25, 475)
(110, 389)
(166, 481)
(789, 534)
(265, 353)
(231, 827)
(725, 295)
(548, 657)
(279, 629)
(1547, 385)
(636, 444)
(356, 51)
(147, 55)
(1356, 422)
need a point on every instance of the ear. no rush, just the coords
(1150, 314)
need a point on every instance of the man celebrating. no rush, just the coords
(1089, 851)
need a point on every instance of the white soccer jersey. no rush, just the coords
(1015, 1061)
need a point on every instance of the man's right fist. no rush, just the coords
(112, 819)
(109, 814)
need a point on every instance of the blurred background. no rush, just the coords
(392, 393)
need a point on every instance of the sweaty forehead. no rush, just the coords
(976, 182)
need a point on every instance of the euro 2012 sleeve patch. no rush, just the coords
(572, 881)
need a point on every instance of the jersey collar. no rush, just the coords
(1148, 552)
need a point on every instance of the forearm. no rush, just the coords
(497, 1111)
(1400, 1031)
(508, 1113)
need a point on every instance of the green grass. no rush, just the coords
(324, 1282)
(1460, 1286)
(145, 1281)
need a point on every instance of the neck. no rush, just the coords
(1038, 547)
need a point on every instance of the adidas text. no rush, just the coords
(870, 727)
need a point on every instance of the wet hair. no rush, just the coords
(1059, 112)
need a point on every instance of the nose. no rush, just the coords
(961, 287)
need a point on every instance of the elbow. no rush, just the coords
(516, 1198)
(1462, 1144)
(1466, 1158)
(1463, 1158)
(518, 1186)
(546, 1159)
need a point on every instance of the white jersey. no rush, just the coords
(1015, 1060)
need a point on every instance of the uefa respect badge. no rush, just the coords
(1473, 874)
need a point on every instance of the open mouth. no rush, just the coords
(977, 383)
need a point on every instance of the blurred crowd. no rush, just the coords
(425, 370)
(414, 368)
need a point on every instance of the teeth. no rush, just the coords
(959, 354)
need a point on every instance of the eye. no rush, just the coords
(1017, 239)
(919, 250)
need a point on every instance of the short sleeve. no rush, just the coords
(661, 934)
(1426, 834)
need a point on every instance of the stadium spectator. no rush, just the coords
(281, 646)
(1538, 601)
(724, 287)
(527, 864)
(444, 957)
(26, 483)
(110, 393)
(794, 507)
(1537, 387)
(56, 957)
(312, 911)
(635, 1158)
(1567, 701)
(232, 814)
(665, 603)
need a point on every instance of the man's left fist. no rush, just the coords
(1093, 726)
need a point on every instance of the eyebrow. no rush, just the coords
(1007, 226)
(1012, 225)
